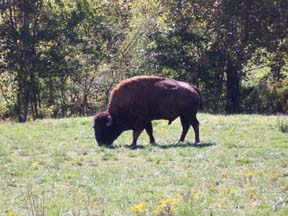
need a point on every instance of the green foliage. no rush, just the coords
(7, 95)
(283, 124)
(69, 54)
(267, 96)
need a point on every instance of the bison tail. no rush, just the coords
(200, 105)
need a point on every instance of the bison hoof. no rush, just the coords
(133, 146)
(154, 144)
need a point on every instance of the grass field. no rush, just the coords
(54, 167)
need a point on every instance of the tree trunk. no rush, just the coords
(34, 91)
(22, 102)
(25, 112)
(18, 107)
(84, 105)
(22, 106)
(233, 89)
(51, 92)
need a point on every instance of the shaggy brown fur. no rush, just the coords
(135, 102)
(130, 92)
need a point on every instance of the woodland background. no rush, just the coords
(60, 58)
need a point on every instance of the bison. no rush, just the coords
(137, 101)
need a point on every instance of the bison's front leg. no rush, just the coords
(149, 130)
(137, 130)
(136, 134)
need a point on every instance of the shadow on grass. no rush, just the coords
(165, 146)
(186, 145)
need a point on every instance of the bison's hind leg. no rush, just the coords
(195, 125)
(185, 127)
(186, 122)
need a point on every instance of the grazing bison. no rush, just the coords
(135, 102)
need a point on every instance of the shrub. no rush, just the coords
(266, 97)
(283, 124)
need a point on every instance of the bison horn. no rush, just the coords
(109, 121)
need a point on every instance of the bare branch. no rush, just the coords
(260, 67)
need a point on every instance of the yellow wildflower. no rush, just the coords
(274, 175)
(252, 195)
(197, 194)
(261, 172)
(211, 187)
(225, 174)
(250, 174)
(35, 166)
(138, 209)
(230, 190)
(284, 188)
(11, 213)
(167, 207)
(236, 173)
(169, 201)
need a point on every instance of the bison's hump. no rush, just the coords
(168, 85)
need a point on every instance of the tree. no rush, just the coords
(183, 49)
(244, 27)
(54, 48)
(214, 40)
(64, 55)
(20, 36)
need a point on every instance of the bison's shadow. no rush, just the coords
(185, 145)
(168, 146)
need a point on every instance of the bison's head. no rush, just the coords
(105, 129)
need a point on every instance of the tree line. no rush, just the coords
(61, 58)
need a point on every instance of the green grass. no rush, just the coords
(53, 167)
